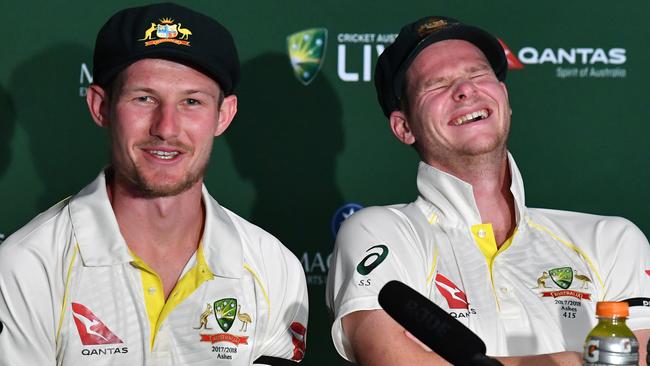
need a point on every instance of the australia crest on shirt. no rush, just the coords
(567, 287)
(224, 326)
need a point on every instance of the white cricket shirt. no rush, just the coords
(534, 295)
(72, 294)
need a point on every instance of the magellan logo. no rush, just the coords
(166, 31)
(342, 214)
(573, 62)
(316, 266)
(307, 53)
(372, 260)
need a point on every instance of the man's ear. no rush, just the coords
(401, 129)
(96, 98)
(226, 114)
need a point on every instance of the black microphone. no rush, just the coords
(448, 337)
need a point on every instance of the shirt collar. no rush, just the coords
(445, 198)
(101, 244)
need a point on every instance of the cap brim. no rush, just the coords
(175, 55)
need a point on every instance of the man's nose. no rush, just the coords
(166, 122)
(463, 89)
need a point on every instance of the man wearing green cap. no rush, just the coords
(143, 266)
(525, 280)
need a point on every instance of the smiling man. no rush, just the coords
(120, 274)
(525, 280)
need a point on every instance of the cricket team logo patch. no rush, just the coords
(166, 31)
(567, 282)
(225, 311)
(307, 53)
(562, 276)
(92, 331)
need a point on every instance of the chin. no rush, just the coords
(164, 185)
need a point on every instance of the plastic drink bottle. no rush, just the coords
(611, 342)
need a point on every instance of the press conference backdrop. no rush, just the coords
(309, 145)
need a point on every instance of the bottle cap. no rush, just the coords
(619, 309)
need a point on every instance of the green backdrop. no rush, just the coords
(296, 153)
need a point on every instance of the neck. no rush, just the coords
(490, 178)
(163, 231)
(162, 225)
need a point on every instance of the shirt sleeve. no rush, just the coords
(374, 246)
(27, 315)
(627, 270)
(286, 333)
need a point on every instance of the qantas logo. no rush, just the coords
(513, 61)
(91, 330)
(298, 338)
(455, 297)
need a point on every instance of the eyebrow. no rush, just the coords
(138, 89)
(470, 69)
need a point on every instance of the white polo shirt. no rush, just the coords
(534, 295)
(71, 293)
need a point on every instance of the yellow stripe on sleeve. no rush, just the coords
(66, 291)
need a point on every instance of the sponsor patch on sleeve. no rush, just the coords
(638, 301)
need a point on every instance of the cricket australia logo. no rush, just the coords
(166, 31)
(563, 278)
(307, 53)
(225, 311)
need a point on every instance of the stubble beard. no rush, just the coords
(148, 189)
(141, 186)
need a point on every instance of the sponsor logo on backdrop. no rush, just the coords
(571, 62)
(367, 45)
(93, 332)
(342, 214)
(356, 53)
(307, 53)
(85, 79)
(317, 264)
